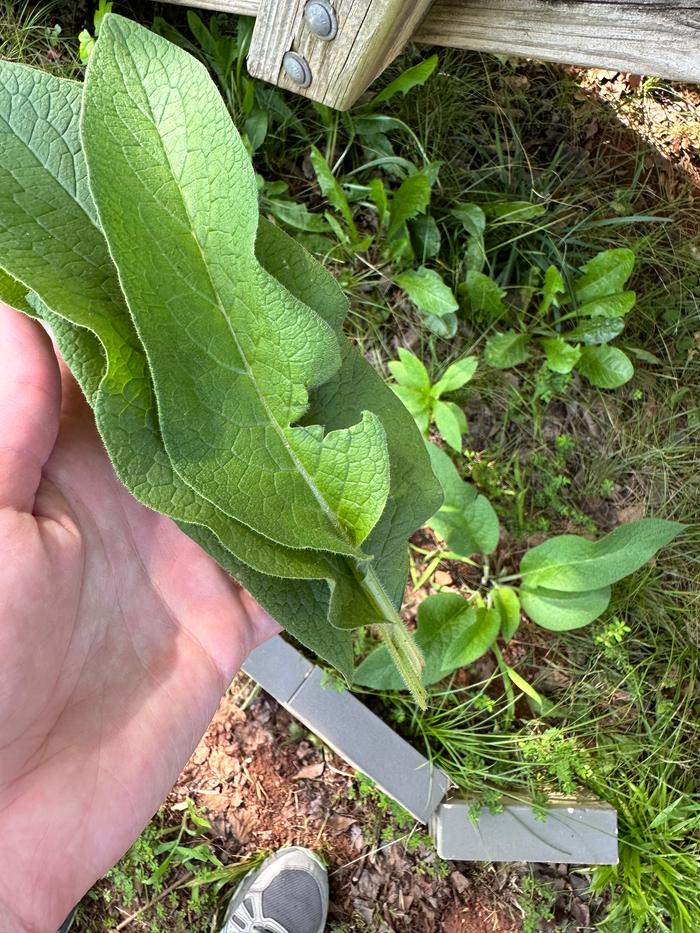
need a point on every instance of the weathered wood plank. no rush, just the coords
(652, 37)
(246, 7)
(640, 36)
(370, 34)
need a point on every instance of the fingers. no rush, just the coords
(30, 405)
(264, 626)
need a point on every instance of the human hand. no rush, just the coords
(118, 636)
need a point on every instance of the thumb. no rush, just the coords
(30, 406)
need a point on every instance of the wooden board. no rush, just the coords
(371, 33)
(246, 7)
(651, 37)
(640, 36)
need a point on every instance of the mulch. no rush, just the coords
(264, 782)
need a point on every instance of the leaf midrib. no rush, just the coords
(279, 430)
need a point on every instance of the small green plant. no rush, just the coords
(86, 38)
(389, 822)
(423, 398)
(596, 305)
(536, 902)
(562, 584)
(171, 875)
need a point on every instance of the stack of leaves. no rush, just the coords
(207, 342)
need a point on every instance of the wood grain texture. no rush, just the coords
(247, 7)
(370, 34)
(640, 36)
(649, 37)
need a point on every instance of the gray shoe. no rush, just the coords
(287, 894)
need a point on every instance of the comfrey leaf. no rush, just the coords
(72, 284)
(227, 345)
(86, 293)
(572, 564)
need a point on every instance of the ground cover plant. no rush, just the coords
(537, 178)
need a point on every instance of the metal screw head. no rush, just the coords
(297, 68)
(319, 17)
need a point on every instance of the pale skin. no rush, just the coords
(118, 636)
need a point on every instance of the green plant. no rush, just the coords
(85, 37)
(308, 464)
(423, 398)
(171, 867)
(536, 901)
(388, 822)
(565, 584)
(600, 304)
(402, 231)
(29, 33)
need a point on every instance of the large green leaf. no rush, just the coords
(466, 520)
(39, 183)
(115, 377)
(562, 612)
(572, 564)
(228, 346)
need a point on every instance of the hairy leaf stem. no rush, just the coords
(398, 640)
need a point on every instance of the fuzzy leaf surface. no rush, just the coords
(575, 565)
(441, 620)
(117, 382)
(228, 346)
(87, 295)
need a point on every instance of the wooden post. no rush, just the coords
(652, 37)
(370, 34)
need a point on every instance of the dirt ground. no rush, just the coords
(264, 782)
(662, 115)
